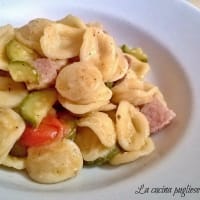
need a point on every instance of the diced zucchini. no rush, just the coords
(11, 93)
(36, 105)
(136, 52)
(94, 153)
(72, 134)
(18, 52)
(69, 125)
(23, 72)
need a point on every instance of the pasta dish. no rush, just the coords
(71, 96)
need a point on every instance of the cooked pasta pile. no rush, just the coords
(70, 96)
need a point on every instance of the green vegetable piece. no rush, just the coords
(72, 134)
(69, 124)
(18, 52)
(36, 105)
(102, 160)
(136, 52)
(22, 72)
(109, 84)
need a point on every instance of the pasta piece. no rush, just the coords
(61, 41)
(6, 34)
(78, 82)
(54, 162)
(140, 68)
(14, 162)
(11, 93)
(133, 90)
(121, 66)
(82, 84)
(12, 127)
(93, 151)
(95, 24)
(126, 157)
(132, 127)
(101, 124)
(80, 109)
(100, 48)
(107, 107)
(31, 33)
(73, 21)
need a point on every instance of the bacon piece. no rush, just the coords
(158, 115)
(47, 71)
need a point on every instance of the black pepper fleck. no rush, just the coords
(118, 116)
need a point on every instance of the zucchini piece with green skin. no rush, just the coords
(136, 52)
(22, 72)
(36, 105)
(93, 151)
(69, 124)
(19, 52)
(72, 134)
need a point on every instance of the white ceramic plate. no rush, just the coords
(169, 32)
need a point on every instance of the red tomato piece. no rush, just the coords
(49, 130)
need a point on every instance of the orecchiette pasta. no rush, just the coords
(31, 33)
(14, 162)
(6, 34)
(107, 107)
(95, 24)
(54, 162)
(140, 68)
(121, 66)
(126, 157)
(133, 90)
(90, 145)
(80, 109)
(82, 83)
(73, 21)
(101, 124)
(100, 48)
(12, 127)
(132, 127)
(11, 93)
(81, 86)
(61, 41)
